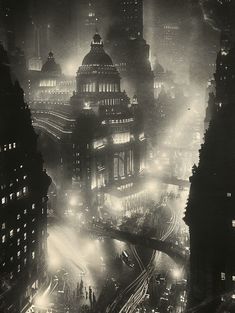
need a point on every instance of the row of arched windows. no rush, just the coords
(110, 102)
(102, 87)
(88, 87)
(108, 87)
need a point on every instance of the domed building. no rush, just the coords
(50, 66)
(102, 145)
(97, 78)
(109, 149)
(50, 84)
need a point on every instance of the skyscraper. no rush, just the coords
(130, 54)
(129, 49)
(132, 18)
(210, 209)
(88, 21)
(23, 196)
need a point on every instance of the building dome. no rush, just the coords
(51, 67)
(97, 72)
(97, 55)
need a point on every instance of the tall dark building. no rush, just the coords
(23, 189)
(132, 18)
(130, 51)
(210, 210)
(130, 54)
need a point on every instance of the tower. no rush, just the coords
(23, 198)
(108, 145)
(130, 51)
(132, 18)
(88, 21)
(210, 209)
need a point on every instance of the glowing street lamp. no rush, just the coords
(41, 301)
(177, 273)
(54, 263)
(151, 186)
(73, 201)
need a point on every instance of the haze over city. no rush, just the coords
(117, 145)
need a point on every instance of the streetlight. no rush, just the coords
(177, 273)
(73, 201)
(41, 301)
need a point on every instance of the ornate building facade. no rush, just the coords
(23, 196)
(110, 154)
(100, 128)
(49, 83)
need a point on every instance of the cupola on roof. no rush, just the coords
(50, 66)
(97, 55)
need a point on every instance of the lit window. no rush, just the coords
(233, 278)
(11, 275)
(229, 195)
(24, 190)
(24, 177)
(18, 216)
(222, 275)
(25, 225)
(11, 258)
(33, 255)
(25, 248)
(233, 223)
(33, 231)
(33, 206)
(3, 238)
(25, 211)
(9, 146)
(25, 236)
(18, 254)
(3, 200)
(18, 242)
(25, 261)
(18, 194)
(18, 268)
(11, 233)
(11, 196)
(14, 144)
(3, 225)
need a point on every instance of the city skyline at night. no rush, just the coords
(117, 156)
